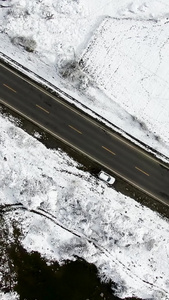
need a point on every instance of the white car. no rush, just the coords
(106, 177)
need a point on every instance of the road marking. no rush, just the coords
(42, 108)
(142, 171)
(122, 139)
(8, 87)
(84, 153)
(108, 150)
(75, 129)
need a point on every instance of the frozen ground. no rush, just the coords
(80, 215)
(58, 33)
(127, 242)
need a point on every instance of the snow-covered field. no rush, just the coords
(127, 242)
(81, 216)
(128, 60)
(131, 90)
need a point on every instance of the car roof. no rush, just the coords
(106, 177)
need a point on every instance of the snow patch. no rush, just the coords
(70, 213)
(127, 60)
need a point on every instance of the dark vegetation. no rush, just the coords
(32, 277)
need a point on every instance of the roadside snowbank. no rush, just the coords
(79, 214)
(59, 31)
(69, 212)
(128, 60)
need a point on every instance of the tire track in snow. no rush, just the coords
(117, 262)
(39, 211)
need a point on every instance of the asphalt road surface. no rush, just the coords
(83, 133)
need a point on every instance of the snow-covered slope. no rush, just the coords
(58, 33)
(127, 242)
(128, 60)
(81, 216)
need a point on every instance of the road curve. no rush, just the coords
(84, 134)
